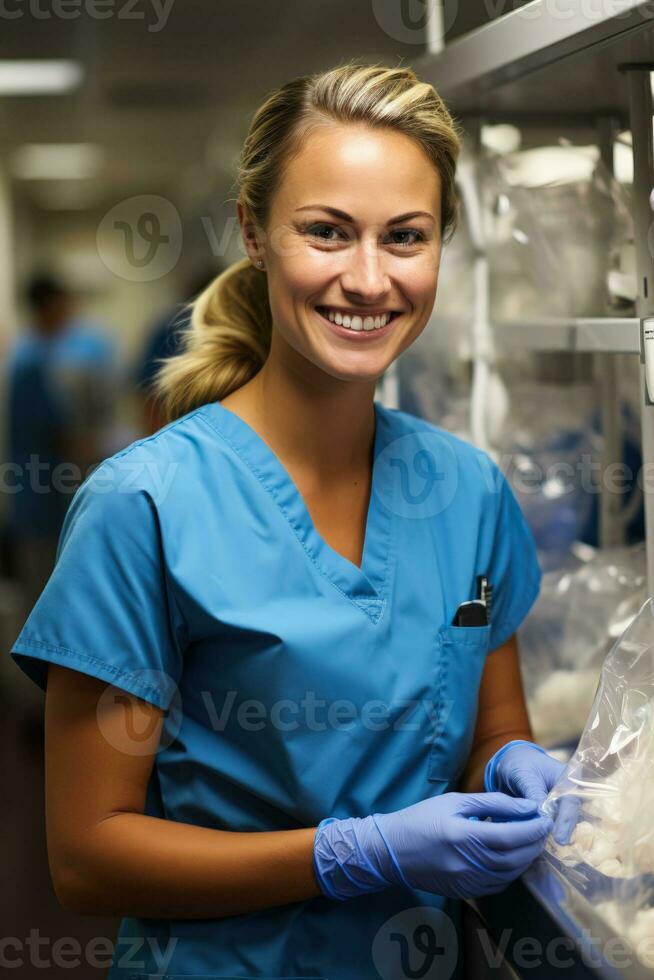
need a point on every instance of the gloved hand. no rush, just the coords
(441, 845)
(523, 769)
(526, 770)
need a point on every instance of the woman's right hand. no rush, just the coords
(443, 845)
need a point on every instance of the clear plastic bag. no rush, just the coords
(581, 610)
(549, 454)
(602, 845)
(540, 260)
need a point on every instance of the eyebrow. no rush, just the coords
(346, 217)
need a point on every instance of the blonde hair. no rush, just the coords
(228, 339)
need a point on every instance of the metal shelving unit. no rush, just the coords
(521, 63)
(587, 66)
(589, 334)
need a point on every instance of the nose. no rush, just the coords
(366, 278)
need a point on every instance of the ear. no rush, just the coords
(250, 234)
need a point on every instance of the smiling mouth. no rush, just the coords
(358, 319)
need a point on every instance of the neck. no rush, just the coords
(314, 422)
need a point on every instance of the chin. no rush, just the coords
(345, 372)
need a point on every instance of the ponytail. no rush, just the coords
(226, 344)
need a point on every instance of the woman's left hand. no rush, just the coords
(524, 769)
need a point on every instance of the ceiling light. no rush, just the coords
(56, 161)
(51, 77)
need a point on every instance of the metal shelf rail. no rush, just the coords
(620, 335)
(587, 62)
(524, 60)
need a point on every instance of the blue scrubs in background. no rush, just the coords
(56, 386)
(297, 685)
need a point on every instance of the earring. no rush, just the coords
(260, 263)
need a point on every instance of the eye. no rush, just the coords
(312, 231)
(322, 231)
(409, 231)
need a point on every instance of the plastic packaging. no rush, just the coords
(550, 453)
(581, 610)
(606, 795)
(540, 260)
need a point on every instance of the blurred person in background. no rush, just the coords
(61, 391)
(163, 340)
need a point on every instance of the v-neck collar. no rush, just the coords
(367, 586)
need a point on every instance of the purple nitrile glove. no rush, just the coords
(524, 769)
(441, 845)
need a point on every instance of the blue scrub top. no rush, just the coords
(43, 402)
(297, 685)
(164, 340)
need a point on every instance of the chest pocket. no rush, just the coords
(461, 653)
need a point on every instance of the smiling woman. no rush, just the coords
(279, 621)
(346, 196)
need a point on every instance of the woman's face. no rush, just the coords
(363, 261)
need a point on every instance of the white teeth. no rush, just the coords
(356, 322)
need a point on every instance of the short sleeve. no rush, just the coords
(107, 609)
(513, 569)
